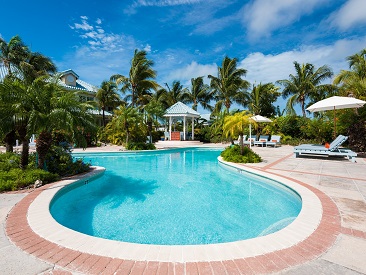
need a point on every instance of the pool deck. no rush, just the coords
(336, 246)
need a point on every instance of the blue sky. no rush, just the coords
(189, 38)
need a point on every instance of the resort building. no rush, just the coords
(71, 81)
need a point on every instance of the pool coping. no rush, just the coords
(310, 235)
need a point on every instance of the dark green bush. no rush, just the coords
(60, 161)
(140, 146)
(232, 154)
(17, 178)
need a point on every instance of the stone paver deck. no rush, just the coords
(336, 246)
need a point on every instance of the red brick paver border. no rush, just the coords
(20, 233)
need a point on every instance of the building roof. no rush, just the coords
(80, 85)
(100, 112)
(180, 109)
(69, 71)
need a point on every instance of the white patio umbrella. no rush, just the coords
(336, 103)
(256, 118)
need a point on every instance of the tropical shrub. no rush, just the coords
(12, 177)
(233, 154)
(140, 146)
(60, 161)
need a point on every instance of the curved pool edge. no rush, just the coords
(308, 221)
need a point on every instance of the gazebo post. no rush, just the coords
(192, 128)
(184, 128)
(170, 128)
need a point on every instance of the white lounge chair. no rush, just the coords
(238, 140)
(274, 141)
(261, 141)
(249, 141)
(333, 150)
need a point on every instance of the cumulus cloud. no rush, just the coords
(192, 70)
(147, 48)
(261, 17)
(270, 68)
(98, 39)
(351, 14)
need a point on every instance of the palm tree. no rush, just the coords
(53, 108)
(107, 96)
(12, 53)
(140, 80)
(236, 125)
(172, 95)
(200, 93)
(229, 86)
(304, 85)
(126, 118)
(262, 98)
(354, 80)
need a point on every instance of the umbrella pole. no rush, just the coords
(250, 135)
(335, 123)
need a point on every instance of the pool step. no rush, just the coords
(177, 144)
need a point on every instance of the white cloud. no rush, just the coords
(192, 70)
(261, 17)
(352, 13)
(162, 3)
(270, 68)
(98, 39)
(147, 48)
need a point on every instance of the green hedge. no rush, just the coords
(140, 146)
(17, 178)
(232, 154)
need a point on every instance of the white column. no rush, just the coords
(170, 128)
(184, 128)
(250, 135)
(192, 128)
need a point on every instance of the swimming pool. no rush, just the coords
(173, 197)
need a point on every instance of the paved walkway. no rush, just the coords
(340, 184)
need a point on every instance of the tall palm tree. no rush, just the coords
(229, 86)
(305, 84)
(354, 80)
(262, 98)
(53, 108)
(13, 52)
(200, 93)
(107, 96)
(140, 80)
(174, 94)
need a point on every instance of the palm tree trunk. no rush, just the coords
(43, 145)
(9, 141)
(22, 132)
(24, 158)
(103, 117)
(241, 145)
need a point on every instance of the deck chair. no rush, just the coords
(333, 150)
(249, 141)
(274, 141)
(238, 140)
(261, 141)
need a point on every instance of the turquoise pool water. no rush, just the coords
(174, 197)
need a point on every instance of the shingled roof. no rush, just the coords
(180, 109)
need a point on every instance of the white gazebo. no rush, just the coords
(180, 110)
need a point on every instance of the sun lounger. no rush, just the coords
(274, 141)
(238, 140)
(333, 150)
(262, 140)
(249, 141)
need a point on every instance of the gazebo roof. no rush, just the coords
(180, 109)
